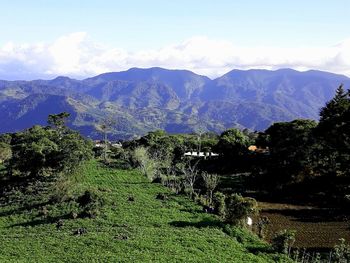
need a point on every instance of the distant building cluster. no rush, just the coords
(201, 154)
(101, 144)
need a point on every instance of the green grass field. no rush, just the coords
(143, 230)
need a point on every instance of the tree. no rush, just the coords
(211, 182)
(290, 145)
(43, 151)
(58, 122)
(336, 107)
(34, 152)
(333, 136)
(73, 150)
(144, 162)
(105, 127)
(190, 173)
(220, 204)
(232, 143)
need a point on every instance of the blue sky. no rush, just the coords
(135, 27)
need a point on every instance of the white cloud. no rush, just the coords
(76, 55)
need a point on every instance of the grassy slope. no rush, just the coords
(158, 231)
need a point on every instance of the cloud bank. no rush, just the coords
(76, 55)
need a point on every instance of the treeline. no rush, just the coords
(42, 157)
(309, 159)
(301, 158)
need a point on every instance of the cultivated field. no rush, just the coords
(134, 226)
(315, 227)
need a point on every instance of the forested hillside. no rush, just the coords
(178, 101)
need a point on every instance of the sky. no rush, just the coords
(76, 38)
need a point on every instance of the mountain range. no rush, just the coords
(178, 101)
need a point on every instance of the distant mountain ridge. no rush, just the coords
(141, 100)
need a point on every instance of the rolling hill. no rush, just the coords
(142, 229)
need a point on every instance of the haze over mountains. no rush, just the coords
(141, 100)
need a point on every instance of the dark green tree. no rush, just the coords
(290, 145)
(43, 151)
(332, 156)
(34, 152)
(58, 121)
(232, 143)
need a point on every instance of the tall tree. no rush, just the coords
(333, 134)
(232, 143)
(58, 122)
(290, 145)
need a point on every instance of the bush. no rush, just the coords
(61, 190)
(282, 242)
(211, 182)
(238, 208)
(143, 161)
(162, 197)
(341, 252)
(262, 224)
(234, 209)
(91, 203)
(5, 152)
(219, 204)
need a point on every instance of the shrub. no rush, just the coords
(282, 242)
(211, 182)
(143, 161)
(61, 190)
(91, 203)
(234, 208)
(161, 196)
(262, 224)
(341, 252)
(219, 204)
(5, 152)
(238, 208)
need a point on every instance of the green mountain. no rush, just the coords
(141, 100)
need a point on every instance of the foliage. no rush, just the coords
(5, 152)
(5, 138)
(219, 204)
(146, 164)
(91, 202)
(211, 182)
(147, 229)
(237, 208)
(232, 143)
(190, 174)
(58, 121)
(61, 190)
(74, 149)
(333, 133)
(283, 241)
(288, 159)
(41, 151)
(341, 252)
(34, 152)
